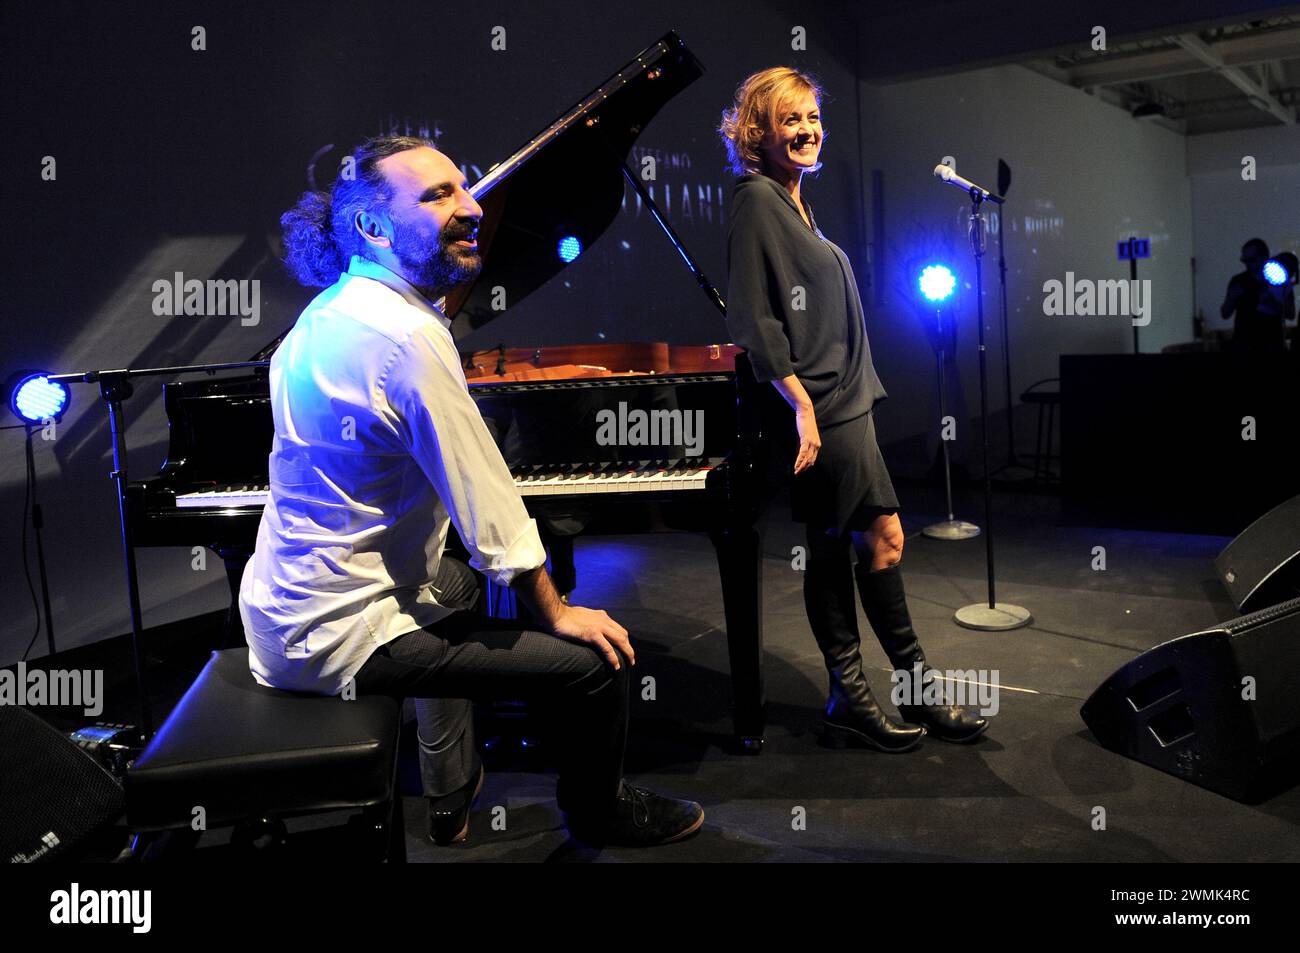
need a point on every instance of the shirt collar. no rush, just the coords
(789, 199)
(365, 268)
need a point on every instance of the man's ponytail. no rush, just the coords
(310, 252)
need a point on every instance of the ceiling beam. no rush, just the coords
(1248, 50)
(1259, 96)
(1139, 68)
(1111, 97)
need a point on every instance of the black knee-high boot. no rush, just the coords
(852, 714)
(885, 604)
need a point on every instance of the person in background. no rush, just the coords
(1257, 330)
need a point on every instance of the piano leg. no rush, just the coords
(235, 560)
(740, 565)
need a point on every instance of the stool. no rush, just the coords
(1047, 400)
(251, 755)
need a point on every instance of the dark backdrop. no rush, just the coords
(153, 138)
(171, 159)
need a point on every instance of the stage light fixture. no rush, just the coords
(937, 283)
(1275, 272)
(1148, 111)
(569, 248)
(33, 398)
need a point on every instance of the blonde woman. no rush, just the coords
(792, 303)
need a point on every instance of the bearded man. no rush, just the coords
(379, 449)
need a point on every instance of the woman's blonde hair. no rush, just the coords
(760, 99)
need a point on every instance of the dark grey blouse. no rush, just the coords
(793, 305)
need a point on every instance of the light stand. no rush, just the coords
(38, 523)
(1132, 277)
(115, 387)
(991, 617)
(951, 528)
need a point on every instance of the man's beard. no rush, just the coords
(437, 267)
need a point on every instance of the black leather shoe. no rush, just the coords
(885, 604)
(946, 722)
(640, 818)
(449, 814)
(853, 718)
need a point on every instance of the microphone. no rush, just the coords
(947, 174)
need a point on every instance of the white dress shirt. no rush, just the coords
(378, 447)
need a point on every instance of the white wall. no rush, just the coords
(1085, 175)
(1227, 209)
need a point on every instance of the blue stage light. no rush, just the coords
(1275, 272)
(570, 247)
(34, 398)
(937, 283)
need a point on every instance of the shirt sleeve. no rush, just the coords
(442, 428)
(758, 289)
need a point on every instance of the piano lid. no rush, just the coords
(567, 181)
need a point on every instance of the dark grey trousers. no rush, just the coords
(468, 656)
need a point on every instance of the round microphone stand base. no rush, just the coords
(1000, 618)
(951, 529)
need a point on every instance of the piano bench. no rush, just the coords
(252, 756)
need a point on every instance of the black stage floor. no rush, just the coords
(1029, 791)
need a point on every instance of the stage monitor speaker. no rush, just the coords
(1219, 708)
(53, 796)
(1261, 567)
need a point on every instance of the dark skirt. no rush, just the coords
(848, 483)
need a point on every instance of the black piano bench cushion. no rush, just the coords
(239, 749)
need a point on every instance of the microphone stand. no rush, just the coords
(1012, 462)
(991, 617)
(951, 528)
(115, 387)
(945, 174)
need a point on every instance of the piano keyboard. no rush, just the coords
(224, 496)
(658, 476)
(585, 479)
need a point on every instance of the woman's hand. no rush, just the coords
(810, 439)
(805, 419)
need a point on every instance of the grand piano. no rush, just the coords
(542, 404)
